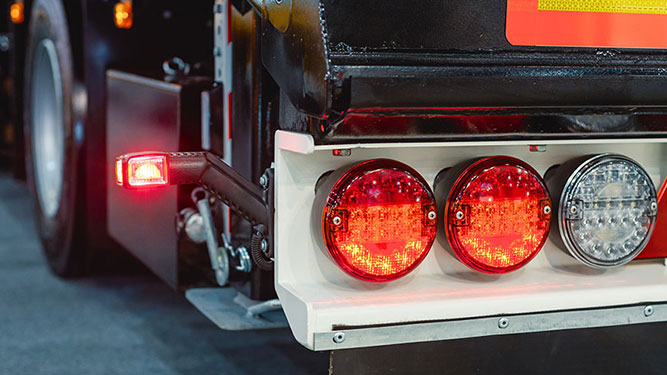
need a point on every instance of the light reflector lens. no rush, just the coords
(379, 220)
(123, 16)
(607, 211)
(17, 12)
(119, 171)
(147, 171)
(498, 215)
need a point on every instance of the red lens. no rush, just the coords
(498, 215)
(147, 171)
(379, 221)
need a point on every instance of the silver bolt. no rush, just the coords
(648, 311)
(574, 210)
(654, 206)
(503, 323)
(339, 337)
(264, 245)
(459, 215)
(547, 210)
(263, 181)
(337, 220)
(431, 215)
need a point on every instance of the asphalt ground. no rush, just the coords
(115, 324)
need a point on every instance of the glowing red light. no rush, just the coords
(380, 220)
(147, 171)
(498, 215)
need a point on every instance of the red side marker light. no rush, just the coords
(147, 171)
(142, 170)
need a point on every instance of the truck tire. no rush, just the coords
(51, 148)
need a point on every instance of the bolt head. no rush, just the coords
(263, 181)
(654, 206)
(648, 311)
(339, 337)
(574, 210)
(337, 220)
(432, 215)
(459, 215)
(503, 323)
(547, 210)
(264, 245)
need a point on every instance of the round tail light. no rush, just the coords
(378, 219)
(607, 208)
(497, 215)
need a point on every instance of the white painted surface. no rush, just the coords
(317, 295)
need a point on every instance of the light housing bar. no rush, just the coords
(497, 214)
(377, 219)
(607, 208)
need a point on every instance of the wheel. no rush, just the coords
(51, 150)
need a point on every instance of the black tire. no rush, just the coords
(60, 228)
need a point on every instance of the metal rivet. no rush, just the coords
(648, 311)
(431, 215)
(264, 245)
(654, 206)
(337, 220)
(339, 337)
(459, 215)
(547, 210)
(574, 210)
(503, 323)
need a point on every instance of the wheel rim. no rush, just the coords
(48, 130)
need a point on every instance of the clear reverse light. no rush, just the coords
(607, 211)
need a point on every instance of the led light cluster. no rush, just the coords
(607, 210)
(498, 214)
(378, 218)
(379, 221)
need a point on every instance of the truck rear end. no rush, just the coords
(393, 173)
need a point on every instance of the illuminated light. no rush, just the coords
(607, 209)
(119, 171)
(147, 171)
(379, 220)
(123, 16)
(497, 215)
(17, 13)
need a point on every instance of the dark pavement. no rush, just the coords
(115, 324)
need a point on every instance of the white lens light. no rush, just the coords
(607, 211)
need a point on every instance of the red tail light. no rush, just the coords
(497, 215)
(142, 170)
(378, 219)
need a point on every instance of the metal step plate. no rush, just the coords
(228, 309)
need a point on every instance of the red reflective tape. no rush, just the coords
(529, 26)
(229, 21)
(229, 116)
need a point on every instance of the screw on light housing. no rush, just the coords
(607, 207)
